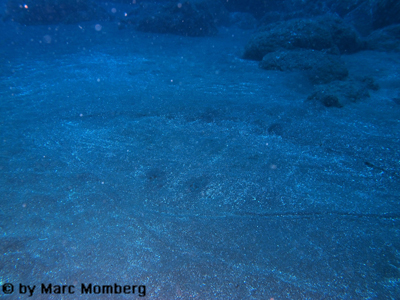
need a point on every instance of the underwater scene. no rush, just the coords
(200, 149)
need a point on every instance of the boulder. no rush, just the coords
(319, 67)
(326, 33)
(385, 39)
(341, 93)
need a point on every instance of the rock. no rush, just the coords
(328, 33)
(385, 39)
(387, 12)
(341, 93)
(319, 67)
(365, 15)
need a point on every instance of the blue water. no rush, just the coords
(170, 162)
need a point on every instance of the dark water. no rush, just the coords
(171, 163)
